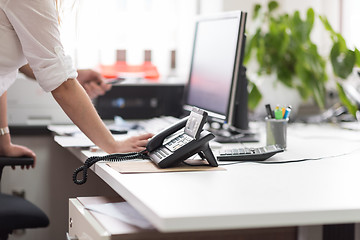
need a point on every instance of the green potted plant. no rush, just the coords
(343, 60)
(282, 45)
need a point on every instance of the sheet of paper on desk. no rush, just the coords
(123, 211)
(73, 130)
(70, 136)
(69, 141)
(64, 129)
(80, 140)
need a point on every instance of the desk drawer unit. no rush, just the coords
(83, 225)
(88, 225)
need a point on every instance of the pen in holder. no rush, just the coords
(276, 131)
(276, 125)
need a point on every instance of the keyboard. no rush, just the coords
(249, 154)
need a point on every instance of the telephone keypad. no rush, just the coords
(178, 142)
(162, 152)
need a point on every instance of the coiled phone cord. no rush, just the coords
(111, 157)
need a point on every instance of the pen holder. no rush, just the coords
(276, 131)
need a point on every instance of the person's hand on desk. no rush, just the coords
(8, 149)
(133, 144)
(93, 83)
(13, 150)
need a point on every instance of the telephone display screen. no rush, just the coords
(192, 125)
(195, 123)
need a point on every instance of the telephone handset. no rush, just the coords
(183, 145)
(178, 146)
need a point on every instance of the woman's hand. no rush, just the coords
(93, 83)
(133, 144)
(14, 150)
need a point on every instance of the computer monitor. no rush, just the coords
(217, 80)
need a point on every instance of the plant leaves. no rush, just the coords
(310, 68)
(310, 18)
(257, 8)
(302, 29)
(326, 24)
(342, 60)
(254, 96)
(357, 55)
(273, 5)
(344, 99)
(283, 45)
(251, 44)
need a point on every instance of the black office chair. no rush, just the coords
(16, 212)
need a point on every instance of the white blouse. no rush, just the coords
(29, 33)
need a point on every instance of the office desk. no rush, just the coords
(322, 190)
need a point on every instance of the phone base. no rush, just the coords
(208, 155)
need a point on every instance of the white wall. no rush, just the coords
(350, 23)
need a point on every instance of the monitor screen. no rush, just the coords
(216, 61)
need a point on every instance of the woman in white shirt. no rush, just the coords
(29, 34)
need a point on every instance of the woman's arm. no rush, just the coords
(77, 105)
(92, 81)
(26, 69)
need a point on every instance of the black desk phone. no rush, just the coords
(169, 147)
(182, 145)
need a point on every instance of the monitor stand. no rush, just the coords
(234, 136)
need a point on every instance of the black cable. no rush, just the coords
(111, 157)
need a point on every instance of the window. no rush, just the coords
(350, 22)
(93, 30)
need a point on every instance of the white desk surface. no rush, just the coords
(249, 195)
